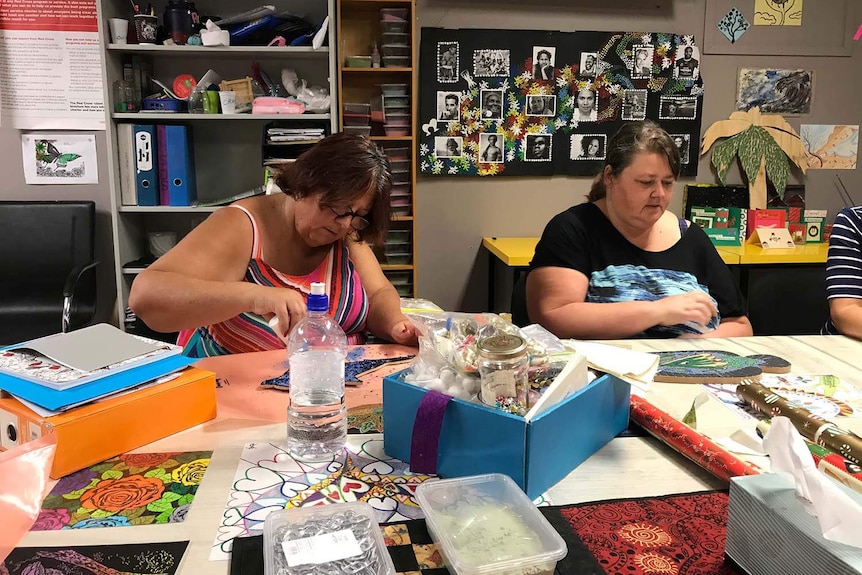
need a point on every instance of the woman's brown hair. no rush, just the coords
(632, 139)
(340, 169)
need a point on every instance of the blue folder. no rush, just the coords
(180, 169)
(56, 400)
(146, 165)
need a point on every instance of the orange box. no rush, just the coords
(104, 429)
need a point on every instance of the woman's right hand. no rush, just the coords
(286, 304)
(694, 306)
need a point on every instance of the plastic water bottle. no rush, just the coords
(317, 414)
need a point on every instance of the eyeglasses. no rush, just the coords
(357, 222)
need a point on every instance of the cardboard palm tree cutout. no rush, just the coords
(763, 144)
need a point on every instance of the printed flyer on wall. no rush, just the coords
(50, 65)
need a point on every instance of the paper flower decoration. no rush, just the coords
(763, 144)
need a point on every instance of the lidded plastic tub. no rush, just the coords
(325, 539)
(485, 525)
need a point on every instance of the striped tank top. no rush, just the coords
(247, 332)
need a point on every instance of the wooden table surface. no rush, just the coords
(626, 467)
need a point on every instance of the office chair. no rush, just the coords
(520, 317)
(47, 268)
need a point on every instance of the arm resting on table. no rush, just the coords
(847, 315)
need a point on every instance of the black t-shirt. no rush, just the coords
(582, 239)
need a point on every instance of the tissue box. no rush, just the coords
(476, 439)
(769, 531)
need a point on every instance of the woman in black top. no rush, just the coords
(622, 266)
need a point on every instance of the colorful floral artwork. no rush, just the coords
(137, 558)
(132, 489)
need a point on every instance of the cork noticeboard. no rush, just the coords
(822, 33)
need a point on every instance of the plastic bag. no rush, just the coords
(23, 482)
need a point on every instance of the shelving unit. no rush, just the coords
(358, 30)
(227, 148)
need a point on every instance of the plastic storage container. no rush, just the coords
(394, 27)
(397, 154)
(396, 50)
(393, 89)
(485, 524)
(347, 533)
(358, 130)
(357, 108)
(393, 14)
(396, 38)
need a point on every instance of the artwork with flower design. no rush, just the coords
(136, 558)
(132, 489)
(552, 84)
(268, 478)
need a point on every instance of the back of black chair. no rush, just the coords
(787, 300)
(520, 317)
(41, 242)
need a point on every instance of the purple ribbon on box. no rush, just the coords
(426, 432)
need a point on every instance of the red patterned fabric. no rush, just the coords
(669, 535)
(689, 442)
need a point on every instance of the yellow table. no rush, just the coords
(748, 254)
(517, 252)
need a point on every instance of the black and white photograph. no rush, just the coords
(490, 63)
(541, 105)
(587, 146)
(683, 142)
(642, 64)
(492, 104)
(491, 148)
(448, 56)
(634, 104)
(448, 146)
(677, 108)
(448, 106)
(586, 107)
(589, 64)
(687, 62)
(543, 62)
(537, 147)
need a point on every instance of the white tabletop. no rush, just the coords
(626, 467)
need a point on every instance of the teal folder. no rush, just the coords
(57, 400)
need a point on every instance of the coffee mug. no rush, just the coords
(146, 27)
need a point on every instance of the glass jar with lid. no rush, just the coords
(503, 367)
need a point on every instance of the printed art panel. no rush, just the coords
(520, 103)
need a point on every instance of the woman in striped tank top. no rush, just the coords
(256, 259)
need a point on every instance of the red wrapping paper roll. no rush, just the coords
(693, 445)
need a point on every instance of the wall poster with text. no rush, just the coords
(519, 103)
(50, 65)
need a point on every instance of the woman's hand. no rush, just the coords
(286, 304)
(404, 332)
(694, 306)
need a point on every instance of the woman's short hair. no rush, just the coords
(340, 169)
(540, 52)
(632, 139)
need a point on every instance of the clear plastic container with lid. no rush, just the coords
(341, 539)
(485, 525)
(503, 367)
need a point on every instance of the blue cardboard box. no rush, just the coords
(769, 531)
(477, 439)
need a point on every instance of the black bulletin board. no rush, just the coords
(537, 128)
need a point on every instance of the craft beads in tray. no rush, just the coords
(338, 539)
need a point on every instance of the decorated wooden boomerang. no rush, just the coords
(708, 366)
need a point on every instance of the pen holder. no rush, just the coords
(146, 26)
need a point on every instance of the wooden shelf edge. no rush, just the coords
(342, 68)
(213, 117)
(396, 267)
(203, 50)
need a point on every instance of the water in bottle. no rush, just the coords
(317, 414)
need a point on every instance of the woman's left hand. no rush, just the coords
(404, 332)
